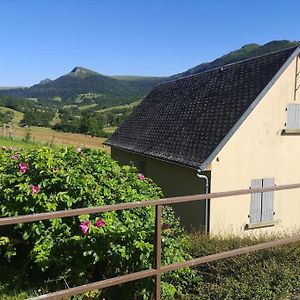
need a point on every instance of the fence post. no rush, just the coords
(157, 249)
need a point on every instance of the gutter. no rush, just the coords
(150, 156)
(202, 176)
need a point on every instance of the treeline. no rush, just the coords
(71, 119)
(115, 116)
(37, 117)
(35, 114)
(90, 123)
(17, 104)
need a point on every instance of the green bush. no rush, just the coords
(87, 248)
(268, 274)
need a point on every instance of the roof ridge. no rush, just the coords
(230, 64)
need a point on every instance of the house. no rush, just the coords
(238, 126)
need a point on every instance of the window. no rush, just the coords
(262, 204)
(293, 118)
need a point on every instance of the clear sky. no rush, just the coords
(47, 38)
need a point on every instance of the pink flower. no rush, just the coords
(85, 225)
(100, 223)
(35, 189)
(165, 226)
(12, 148)
(23, 167)
(4, 148)
(141, 176)
(15, 156)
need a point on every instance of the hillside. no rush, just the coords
(88, 90)
(106, 91)
(9, 87)
(16, 115)
(245, 52)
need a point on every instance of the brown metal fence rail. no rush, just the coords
(157, 269)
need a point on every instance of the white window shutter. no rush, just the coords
(256, 202)
(293, 117)
(268, 201)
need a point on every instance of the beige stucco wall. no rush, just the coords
(259, 150)
(175, 181)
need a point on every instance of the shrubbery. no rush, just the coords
(89, 247)
(268, 274)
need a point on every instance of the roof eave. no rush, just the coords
(152, 156)
(211, 157)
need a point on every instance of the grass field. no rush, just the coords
(42, 135)
(83, 107)
(20, 144)
(131, 105)
(110, 129)
(47, 136)
(18, 116)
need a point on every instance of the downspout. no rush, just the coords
(201, 176)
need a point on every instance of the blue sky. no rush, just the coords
(41, 39)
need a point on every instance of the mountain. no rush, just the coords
(44, 81)
(101, 89)
(81, 72)
(82, 86)
(245, 52)
(9, 87)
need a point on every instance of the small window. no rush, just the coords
(293, 118)
(262, 204)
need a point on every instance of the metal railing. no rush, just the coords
(157, 269)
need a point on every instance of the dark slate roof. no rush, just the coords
(186, 120)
